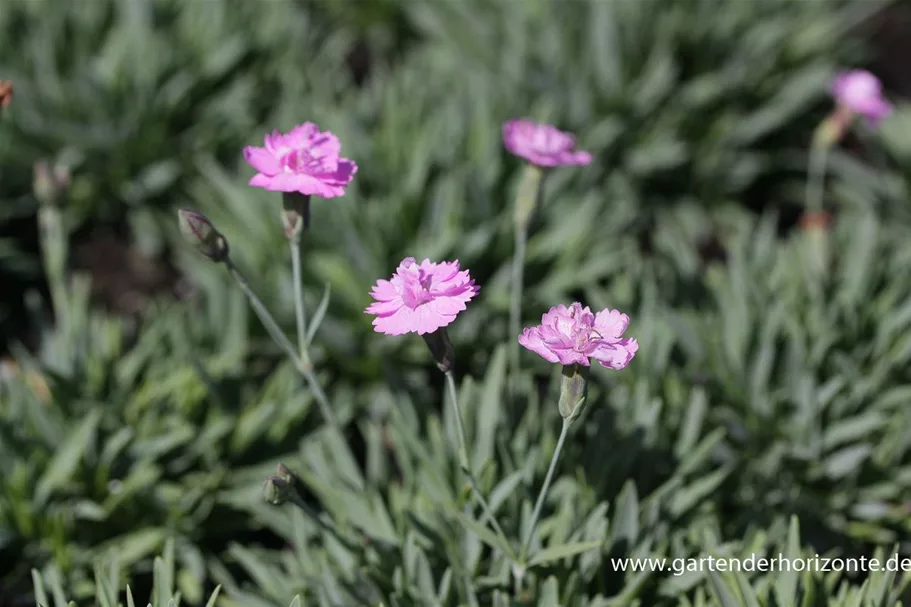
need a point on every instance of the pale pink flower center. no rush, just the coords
(580, 333)
(863, 88)
(300, 161)
(416, 289)
(581, 337)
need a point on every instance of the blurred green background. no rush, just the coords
(148, 421)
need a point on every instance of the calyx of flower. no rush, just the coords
(441, 349)
(573, 391)
(295, 214)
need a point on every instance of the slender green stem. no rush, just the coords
(466, 465)
(278, 335)
(329, 528)
(299, 311)
(547, 479)
(515, 303)
(53, 245)
(817, 241)
(527, 196)
(262, 312)
(816, 172)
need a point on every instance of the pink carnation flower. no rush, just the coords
(542, 144)
(861, 92)
(305, 160)
(572, 335)
(420, 298)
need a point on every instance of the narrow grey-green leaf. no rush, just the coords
(746, 590)
(214, 597)
(67, 458)
(625, 522)
(692, 423)
(38, 585)
(319, 314)
(725, 595)
(550, 593)
(785, 584)
(484, 534)
(562, 551)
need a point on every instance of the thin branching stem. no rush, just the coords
(279, 337)
(464, 462)
(516, 292)
(816, 173)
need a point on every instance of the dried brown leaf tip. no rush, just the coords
(6, 92)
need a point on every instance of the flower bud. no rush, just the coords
(199, 232)
(49, 183)
(277, 490)
(295, 214)
(6, 92)
(441, 349)
(573, 391)
(285, 473)
(527, 196)
(291, 478)
(465, 493)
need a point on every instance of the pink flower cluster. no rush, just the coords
(304, 160)
(421, 298)
(425, 297)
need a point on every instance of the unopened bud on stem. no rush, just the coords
(277, 490)
(6, 92)
(293, 479)
(199, 232)
(441, 349)
(285, 473)
(295, 214)
(573, 391)
(49, 183)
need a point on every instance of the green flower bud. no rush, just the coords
(199, 232)
(285, 473)
(465, 493)
(277, 490)
(573, 391)
(49, 183)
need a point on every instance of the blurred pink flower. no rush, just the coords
(542, 144)
(861, 92)
(572, 335)
(305, 160)
(420, 298)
